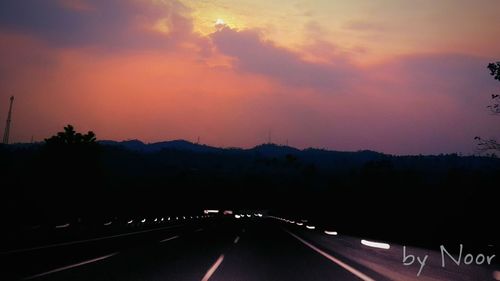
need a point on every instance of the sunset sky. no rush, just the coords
(395, 76)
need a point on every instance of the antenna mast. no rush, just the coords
(7, 124)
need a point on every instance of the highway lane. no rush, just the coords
(185, 256)
(16, 265)
(224, 249)
(264, 251)
(386, 259)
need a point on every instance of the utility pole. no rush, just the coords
(7, 124)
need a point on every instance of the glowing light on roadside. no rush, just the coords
(162, 219)
(292, 222)
(378, 245)
(156, 219)
(211, 211)
(331, 232)
(130, 221)
(108, 223)
(259, 215)
(237, 216)
(143, 221)
(299, 223)
(310, 227)
(249, 215)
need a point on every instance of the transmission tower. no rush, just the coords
(7, 124)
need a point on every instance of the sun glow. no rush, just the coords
(220, 22)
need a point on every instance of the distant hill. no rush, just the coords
(321, 157)
(268, 149)
(342, 160)
(137, 145)
(274, 150)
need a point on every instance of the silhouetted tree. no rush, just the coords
(70, 170)
(495, 72)
(485, 145)
(70, 137)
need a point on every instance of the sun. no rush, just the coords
(220, 22)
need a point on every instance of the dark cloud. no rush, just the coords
(255, 55)
(110, 23)
(456, 75)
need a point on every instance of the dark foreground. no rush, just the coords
(418, 200)
(226, 248)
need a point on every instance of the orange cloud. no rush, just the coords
(232, 87)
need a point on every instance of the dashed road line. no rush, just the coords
(70, 266)
(212, 269)
(169, 238)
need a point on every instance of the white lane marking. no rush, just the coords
(331, 232)
(236, 239)
(345, 266)
(88, 240)
(169, 238)
(212, 269)
(70, 266)
(62, 225)
(378, 245)
(198, 230)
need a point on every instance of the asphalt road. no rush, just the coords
(229, 250)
